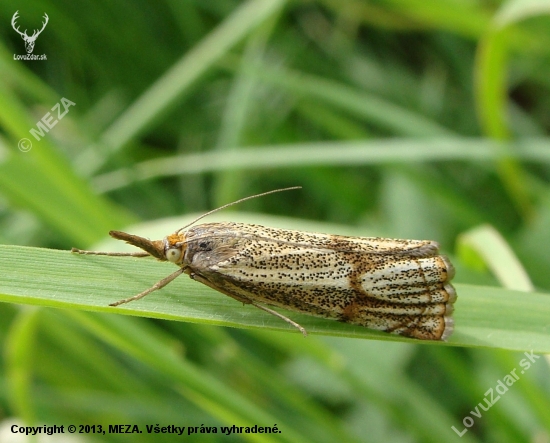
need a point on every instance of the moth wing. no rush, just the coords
(373, 245)
(400, 286)
(381, 246)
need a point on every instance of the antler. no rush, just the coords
(37, 33)
(29, 40)
(13, 19)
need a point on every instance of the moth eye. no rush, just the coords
(205, 246)
(173, 254)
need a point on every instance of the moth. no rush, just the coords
(398, 286)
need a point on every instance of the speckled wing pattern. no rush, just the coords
(397, 286)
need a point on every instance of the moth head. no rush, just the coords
(174, 248)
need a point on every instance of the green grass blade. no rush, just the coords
(485, 316)
(342, 153)
(206, 391)
(169, 88)
(19, 351)
(42, 180)
(489, 244)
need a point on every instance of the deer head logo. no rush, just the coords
(29, 40)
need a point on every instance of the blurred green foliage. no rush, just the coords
(401, 118)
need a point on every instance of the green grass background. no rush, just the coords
(399, 118)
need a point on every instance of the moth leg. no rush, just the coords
(204, 281)
(159, 285)
(113, 254)
(245, 300)
(282, 317)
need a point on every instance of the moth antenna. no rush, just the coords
(236, 202)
